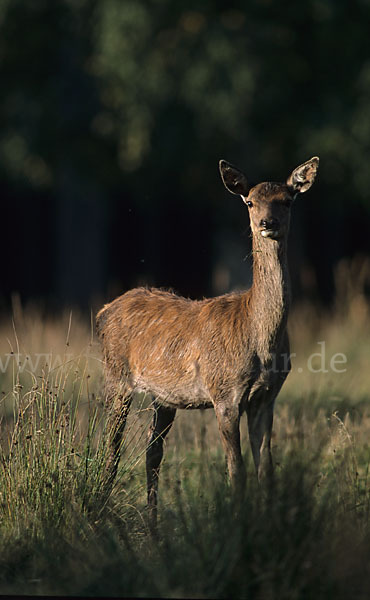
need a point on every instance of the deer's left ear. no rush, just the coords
(303, 176)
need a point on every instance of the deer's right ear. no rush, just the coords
(234, 180)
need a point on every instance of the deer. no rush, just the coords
(230, 353)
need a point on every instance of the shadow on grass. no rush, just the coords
(308, 537)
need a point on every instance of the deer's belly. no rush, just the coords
(186, 392)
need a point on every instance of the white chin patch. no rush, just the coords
(269, 233)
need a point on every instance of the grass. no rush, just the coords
(308, 537)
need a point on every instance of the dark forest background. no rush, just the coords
(115, 113)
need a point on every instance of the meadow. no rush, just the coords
(307, 536)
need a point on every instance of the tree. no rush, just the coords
(114, 116)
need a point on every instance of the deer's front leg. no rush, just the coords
(228, 419)
(260, 418)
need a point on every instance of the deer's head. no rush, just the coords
(269, 203)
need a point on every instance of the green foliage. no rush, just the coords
(140, 83)
(47, 470)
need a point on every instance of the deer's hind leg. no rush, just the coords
(162, 421)
(119, 409)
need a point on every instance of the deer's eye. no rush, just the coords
(249, 203)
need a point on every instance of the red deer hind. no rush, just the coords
(230, 353)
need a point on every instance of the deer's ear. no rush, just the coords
(303, 176)
(234, 180)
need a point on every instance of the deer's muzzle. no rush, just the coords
(270, 228)
(270, 233)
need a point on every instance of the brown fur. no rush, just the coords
(230, 352)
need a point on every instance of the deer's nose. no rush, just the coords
(270, 224)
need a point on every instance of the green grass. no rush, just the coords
(308, 537)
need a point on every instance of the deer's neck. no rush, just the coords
(270, 294)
